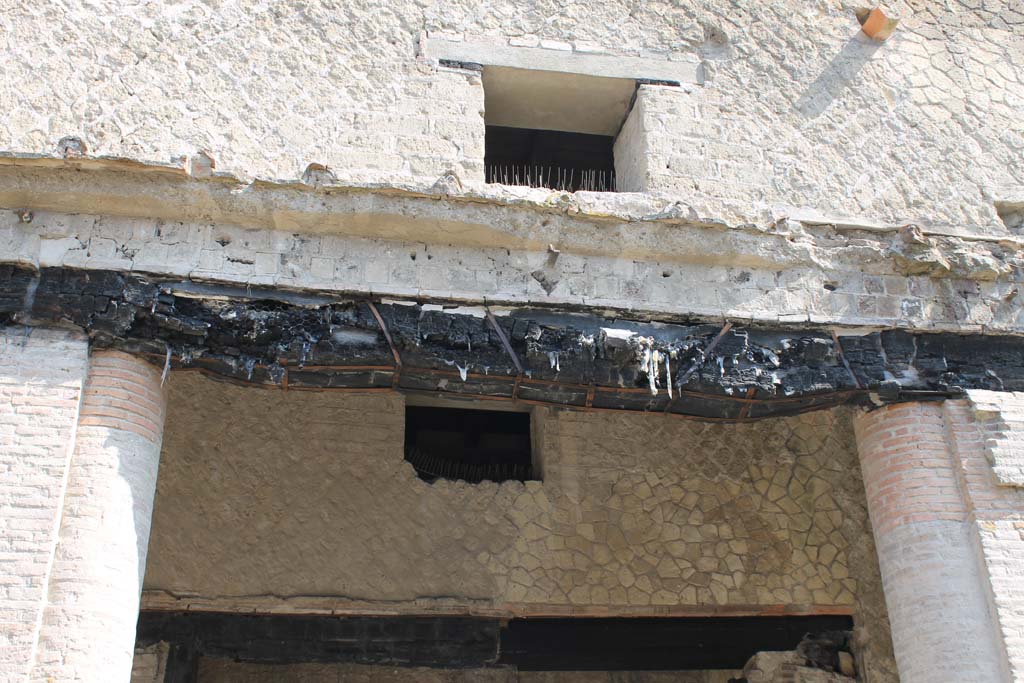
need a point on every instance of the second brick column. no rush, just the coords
(935, 590)
(88, 629)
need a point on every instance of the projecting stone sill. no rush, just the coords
(571, 358)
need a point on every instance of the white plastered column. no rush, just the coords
(88, 626)
(42, 372)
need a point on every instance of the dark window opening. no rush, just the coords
(549, 158)
(471, 445)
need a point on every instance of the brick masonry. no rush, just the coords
(1000, 417)
(41, 377)
(986, 432)
(949, 536)
(88, 627)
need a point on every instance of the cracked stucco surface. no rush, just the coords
(797, 108)
(635, 515)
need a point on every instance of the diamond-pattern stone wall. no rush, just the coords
(292, 501)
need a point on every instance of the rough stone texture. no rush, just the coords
(797, 108)
(223, 671)
(1000, 416)
(779, 190)
(88, 626)
(635, 516)
(150, 663)
(787, 667)
(927, 548)
(41, 376)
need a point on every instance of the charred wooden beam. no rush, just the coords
(309, 341)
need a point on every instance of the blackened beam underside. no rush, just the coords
(305, 341)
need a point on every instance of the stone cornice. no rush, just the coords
(626, 225)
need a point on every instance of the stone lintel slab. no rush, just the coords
(563, 59)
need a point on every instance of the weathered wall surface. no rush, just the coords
(850, 280)
(925, 548)
(42, 373)
(796, 108)
(987, 432)
(634, 516)
(801, 109)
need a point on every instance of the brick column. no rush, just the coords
(88, 629)
(934, 580)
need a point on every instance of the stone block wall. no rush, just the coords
(41, 377)
(795, 108)
(809, 144)
(631, 151)
(635, 515)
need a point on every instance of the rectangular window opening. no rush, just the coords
(554, 159)
(468, 445)
(553, 129)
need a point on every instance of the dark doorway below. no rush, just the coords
(542, 644)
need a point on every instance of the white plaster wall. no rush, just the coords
(796, 108)
(631, 152)
(987, 432)
(87, 631)
(41, 377)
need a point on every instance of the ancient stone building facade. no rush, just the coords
(512, 341)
